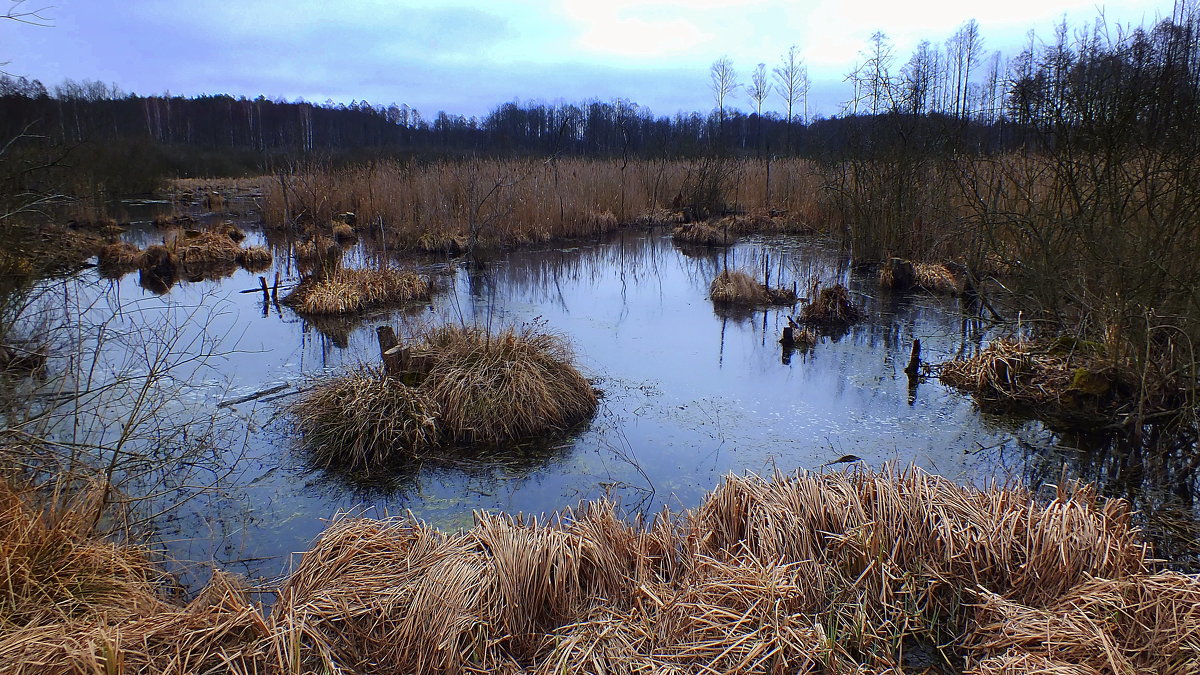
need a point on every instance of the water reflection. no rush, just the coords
(690, 393)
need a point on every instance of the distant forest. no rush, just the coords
(1140, 83)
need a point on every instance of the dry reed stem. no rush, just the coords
(346, 291)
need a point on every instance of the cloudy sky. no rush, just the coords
(466, 57)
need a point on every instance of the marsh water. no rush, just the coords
(689, 391)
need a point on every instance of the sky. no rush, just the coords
(468, 57)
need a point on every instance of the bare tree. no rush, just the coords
(918, 78)
(963, 52)
(724, 82)
(759, 88)
(876, 72)
(791, 79)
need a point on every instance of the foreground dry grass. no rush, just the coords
(834, 573)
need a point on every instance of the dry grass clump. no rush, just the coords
(764, 221)
(230, 230)
(812, 573)
(73, 603)
(474, 388)
(255, 258)
(344, 233)
(938, 278)
(600, 221)
(702, 234)
(739, 288)
(206, 248)
(318, 256)
(350, 290)
(118, 259)
(1069, 380)
(365, 418)
(830, 307)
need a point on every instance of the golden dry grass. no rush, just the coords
(831, 307)
(475, 389)
(810, 573)
(736, 287)
(518, 201)
(318, 256)
(937, 278)
(702, 234)
(118, 259)
(206, 248)
(350, 290)
(1072, 381)
(343, 232)
(255, 258)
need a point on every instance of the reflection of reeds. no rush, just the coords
(350, 290)
(473, 388)
(840, 572)
(739, 288)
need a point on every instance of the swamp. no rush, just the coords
(912, 388)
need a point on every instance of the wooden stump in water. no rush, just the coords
(914, 361)
(387, 344)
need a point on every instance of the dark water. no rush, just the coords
(690, 392)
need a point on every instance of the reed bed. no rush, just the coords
(702, 234)
(351, 290)
(422, 206)
(831, 306)
(1064, 379)
(808, 573)
(475, 389)
(736, 287)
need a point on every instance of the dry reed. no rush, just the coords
(206, 248)
(350, 290)
(830, 307)
(739, 288)
(318, 256)
(344, 233)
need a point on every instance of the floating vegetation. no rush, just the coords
(255, 258)
(702, 234)
(118, 259)
(736, 287)
(345, 291)
(830, 307)
(1065, 380)
(456, 386)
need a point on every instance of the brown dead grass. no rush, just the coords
(831, 307)
(475, 389)
(118, 259)
(255, 258)
(811, 573)
(351, 290)
(206, 248)
(736, 287)
(1070, 381)
(702, 234)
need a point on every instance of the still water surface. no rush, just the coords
(689, 392)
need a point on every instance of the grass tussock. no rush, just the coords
(702, 234)
(811, 573)
(831, 306)
(938, 278)
(349, 290)
(1066, 380)
(808, 574)
(475, 388)
(344, 233)
(318, 256)
(206, 248)
(255, 258)
(118, 259)
(736, 287)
